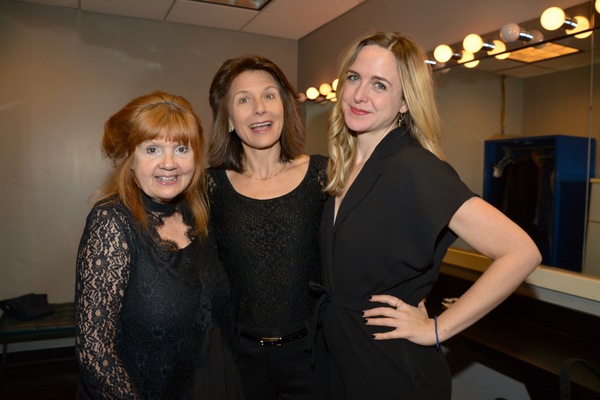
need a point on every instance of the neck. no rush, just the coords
(265, 173)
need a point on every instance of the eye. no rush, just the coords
(270, 96)
(152, 150)
(352, 77)
(380, 86)
(243, 100)
(182, 149)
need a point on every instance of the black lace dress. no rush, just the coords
(153, 320)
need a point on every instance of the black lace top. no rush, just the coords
(270, 247)
(145, 310)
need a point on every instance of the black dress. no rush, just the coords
(389, 237)
(151, 318)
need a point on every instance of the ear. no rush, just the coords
(230, 128)
(403, 107)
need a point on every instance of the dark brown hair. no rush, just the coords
(225, 149)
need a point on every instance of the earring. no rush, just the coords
(401, 117)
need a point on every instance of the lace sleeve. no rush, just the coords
(103, 263)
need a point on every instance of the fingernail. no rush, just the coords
(366, 321)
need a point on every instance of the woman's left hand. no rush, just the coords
(409, 322)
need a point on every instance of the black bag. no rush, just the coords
(29, 306)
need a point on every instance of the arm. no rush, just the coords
(103, 263)
(494, 235)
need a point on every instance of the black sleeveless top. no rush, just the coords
(269, 248)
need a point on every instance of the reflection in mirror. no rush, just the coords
(535, 118)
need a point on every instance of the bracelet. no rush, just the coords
(437, 339)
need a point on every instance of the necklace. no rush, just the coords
(268, 177)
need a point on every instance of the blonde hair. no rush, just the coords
(418, 89)
(158, 115)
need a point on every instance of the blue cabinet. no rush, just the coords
(541, 183)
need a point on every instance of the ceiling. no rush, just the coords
(287, 19)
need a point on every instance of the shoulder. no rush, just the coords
(319, 161)
(109, 211)
(413, 159)
(318, 169)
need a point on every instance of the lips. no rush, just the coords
(166, 179)
(261, 125)
(358, 111)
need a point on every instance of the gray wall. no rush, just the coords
(62, 74)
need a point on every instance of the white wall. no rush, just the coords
(62, 74)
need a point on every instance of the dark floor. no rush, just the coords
(40, 375)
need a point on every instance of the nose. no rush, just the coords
(360, 94)
(259, 107)
(168, 161)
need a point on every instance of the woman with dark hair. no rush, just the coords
(152, 299)
(394, 209)
(266, 200)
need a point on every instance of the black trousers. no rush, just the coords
(286, 372)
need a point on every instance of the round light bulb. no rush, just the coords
(465, 56)
(473, 43)
(442, 53)
(537, 38)
(334, 84)
(499, 47)
(472, 64)
(597, 5)
(583, 24)
(467, 60)
(325, 89)
(312, 93)
(510, 32)
(553, 18)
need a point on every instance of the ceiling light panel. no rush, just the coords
(249, 4)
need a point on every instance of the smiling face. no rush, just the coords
(256, 109)
(163, 169)
(372, 92)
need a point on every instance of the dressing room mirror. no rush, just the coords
(505, 110)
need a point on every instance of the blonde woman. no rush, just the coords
(394, 209)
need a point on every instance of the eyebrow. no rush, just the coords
(376, 77)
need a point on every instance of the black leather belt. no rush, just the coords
(275, 341)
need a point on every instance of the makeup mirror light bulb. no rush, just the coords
(499, 47)
(510, 32)
(312, 93)
(443, 53)
(583, 24)
(334, 84)
(553, 18)
(473, 43)
(537, 38)
(325, 89)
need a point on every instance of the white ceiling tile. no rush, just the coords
(60, 3)
(281, 26)
(150, 9)
(314, 10)
(210, 15)
(288, 19)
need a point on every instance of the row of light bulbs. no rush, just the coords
(551, 19)
(325, 91)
